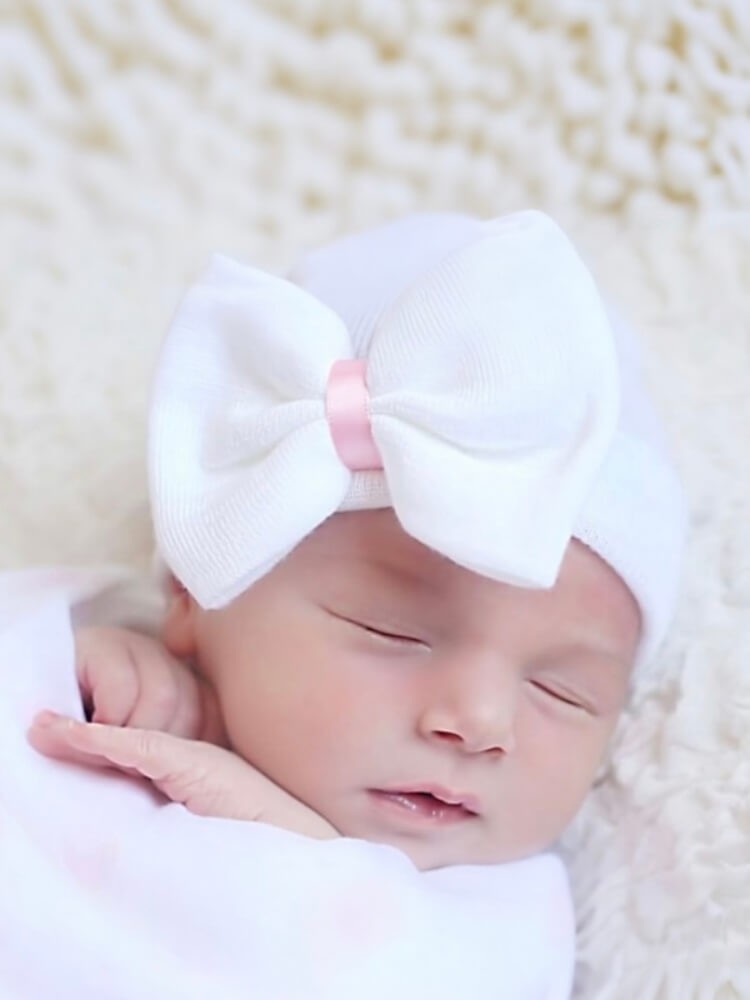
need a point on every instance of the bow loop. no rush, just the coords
(495, 377)
(238, 428)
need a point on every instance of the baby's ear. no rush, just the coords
(178, 630)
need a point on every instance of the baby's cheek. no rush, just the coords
(559, 762)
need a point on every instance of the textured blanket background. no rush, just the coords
(138, 135)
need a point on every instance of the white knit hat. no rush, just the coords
(635, 517)
(505, 411)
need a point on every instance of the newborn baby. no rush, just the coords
(419, 531)
(401, 698)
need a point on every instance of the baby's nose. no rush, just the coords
(472, 705)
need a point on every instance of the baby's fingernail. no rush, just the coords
(45, 718)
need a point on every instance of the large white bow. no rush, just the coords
(493, 402)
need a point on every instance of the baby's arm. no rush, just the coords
(205, 778)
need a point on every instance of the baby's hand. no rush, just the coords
(129, 679)
(207, 779)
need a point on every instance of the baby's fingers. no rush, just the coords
(53, 736)
(203, 777)
(108, 678)
(167, 698)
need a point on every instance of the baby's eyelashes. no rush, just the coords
(562, 697)
(393, 637)
(383, 634)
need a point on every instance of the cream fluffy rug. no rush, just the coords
(138, 135)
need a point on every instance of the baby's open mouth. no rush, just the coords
(426, 805)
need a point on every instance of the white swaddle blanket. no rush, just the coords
(108, 893)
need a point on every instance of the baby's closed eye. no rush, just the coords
(384, 633)
(389, 633)
(561, 695)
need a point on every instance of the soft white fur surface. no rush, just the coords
(138, 135)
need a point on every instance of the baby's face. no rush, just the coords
(414, 703)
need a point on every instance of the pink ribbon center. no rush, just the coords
(348, 413)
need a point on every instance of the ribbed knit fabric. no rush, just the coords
(494, 401)
(636, 515)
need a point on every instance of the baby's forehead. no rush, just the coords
(371, 545)
(367, 556)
